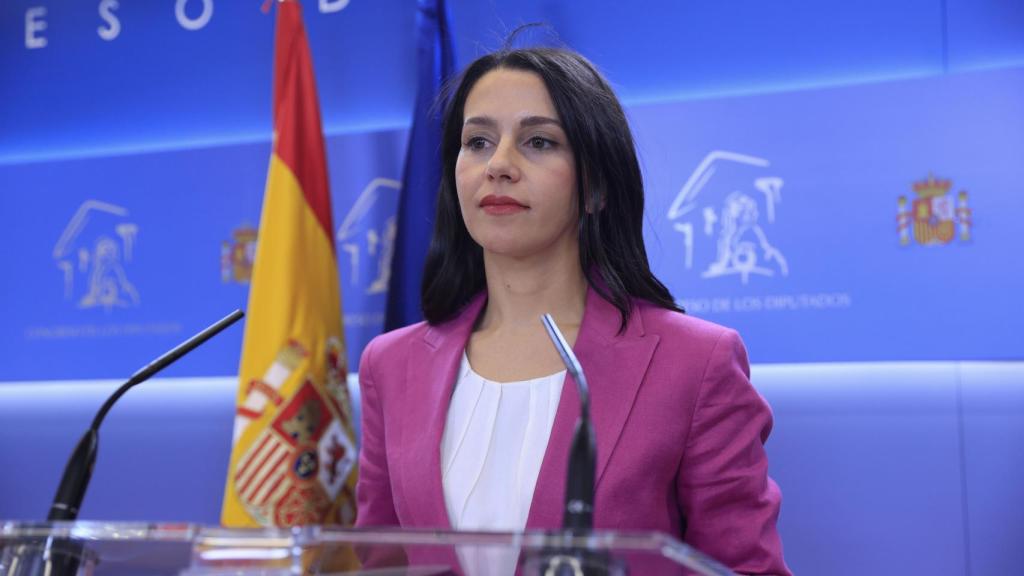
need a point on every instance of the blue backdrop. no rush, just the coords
(777, 145)
(775, 214)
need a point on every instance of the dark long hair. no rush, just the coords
(610, 199)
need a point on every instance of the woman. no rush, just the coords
(466, 421)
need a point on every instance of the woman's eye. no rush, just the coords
(475, 143)
(539, 143)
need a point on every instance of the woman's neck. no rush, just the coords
(519, 292)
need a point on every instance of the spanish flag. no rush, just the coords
(293, 456)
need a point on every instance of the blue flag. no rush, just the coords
(422, 166)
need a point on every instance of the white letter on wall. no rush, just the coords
(34, 23)
(113, 28)
(327, 6)
(189, 23)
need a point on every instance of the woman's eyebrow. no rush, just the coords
(485, 121)
(538, 121)
(527, 122)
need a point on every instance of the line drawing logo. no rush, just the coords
(367, 235)
(92, 253)
(733, 213)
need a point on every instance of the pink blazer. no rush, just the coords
(680, 432)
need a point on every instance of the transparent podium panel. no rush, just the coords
(109, 549)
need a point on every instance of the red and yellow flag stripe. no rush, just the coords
(293, 457)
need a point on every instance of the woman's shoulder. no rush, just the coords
(675, 325)
(699, 350)
(392, 345)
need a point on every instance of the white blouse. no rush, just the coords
(494, 441)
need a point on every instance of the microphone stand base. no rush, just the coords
(571, 562)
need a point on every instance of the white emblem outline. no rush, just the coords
(380, 241)
(107, 280)
(738, 218)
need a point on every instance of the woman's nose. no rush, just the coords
(503, 163)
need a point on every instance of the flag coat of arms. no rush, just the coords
(293, 455)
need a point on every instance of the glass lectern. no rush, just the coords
(109, 549)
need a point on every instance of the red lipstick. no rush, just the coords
(501, 205)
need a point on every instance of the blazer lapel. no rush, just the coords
(429, 380)
(615, 365)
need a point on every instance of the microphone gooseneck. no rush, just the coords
(579, 488)
(78, 471)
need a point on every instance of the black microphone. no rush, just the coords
(572, 557)
(78, 471)
(579, 487)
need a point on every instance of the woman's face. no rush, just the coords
(515, 174)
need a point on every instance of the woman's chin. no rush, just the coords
(517, 251)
